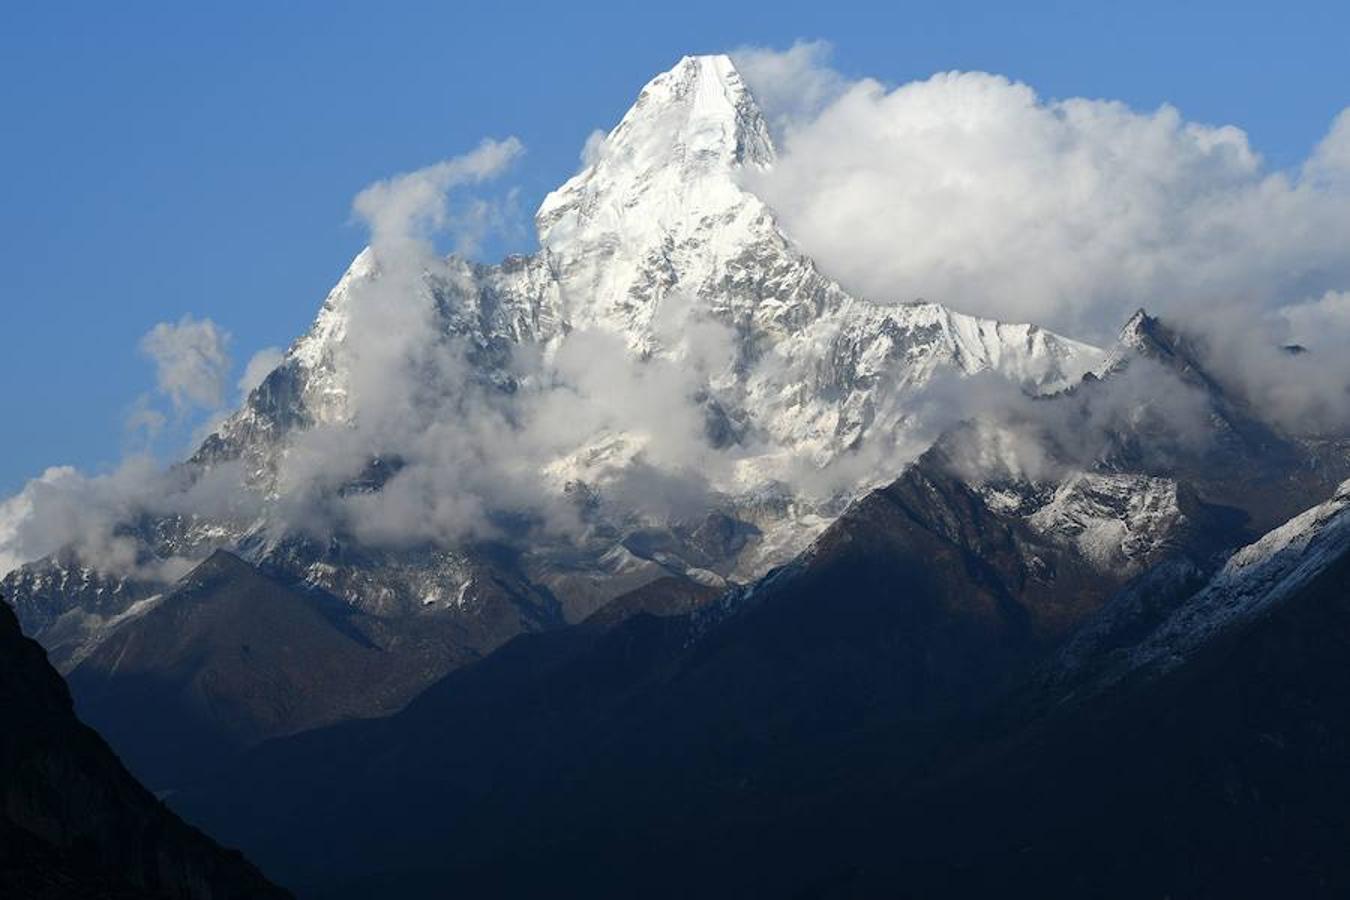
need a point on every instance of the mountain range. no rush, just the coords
(656, 562)
(652, 240)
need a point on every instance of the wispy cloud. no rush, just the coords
(409, 208)
(192, 361)
(258, 367)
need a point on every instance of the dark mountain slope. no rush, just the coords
(233, 656)
(73, 822)
(1228, 776)
(591, 747)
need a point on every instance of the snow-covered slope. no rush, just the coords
(1255, 578)
(1115, 521)
(1132, 637)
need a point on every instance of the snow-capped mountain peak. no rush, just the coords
(655, 233)
(657, 209)
(1139, 336)
(656, 228)
(1148, 337)
(688, 132)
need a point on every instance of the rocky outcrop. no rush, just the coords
(73, 821)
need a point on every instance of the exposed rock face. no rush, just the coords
(73, 822)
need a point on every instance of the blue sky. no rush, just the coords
(163, 159)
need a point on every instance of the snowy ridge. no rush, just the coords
(1257, 577)
(1253, 580)
(1117, 522)
(72, 606)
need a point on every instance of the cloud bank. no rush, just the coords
(972, 190)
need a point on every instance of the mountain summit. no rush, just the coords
(659, 192)
(690, 129)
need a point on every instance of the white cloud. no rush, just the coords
(1330, 162)
(65, 510)
(259, 366)
(792, 84)
(590, 151)
(455, 442)
(409, 207)
(1304, 392)
(191, 361)
(972, 190)
(143, 422)
(1316, 324)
